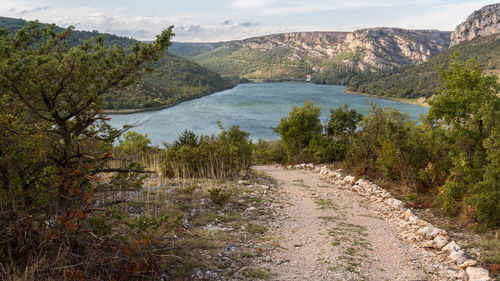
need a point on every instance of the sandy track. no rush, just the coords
(329, 233)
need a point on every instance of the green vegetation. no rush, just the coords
(173, 80)
(273, 65)
(222, 156)
(55, 155)
(189, 50)
(423, 80)
(452, 155)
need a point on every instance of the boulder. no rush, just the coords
(451, 247)
(468, 263)
(395, 203)
(478, 274)
(458, 257)
(349, 179)
(440, 241)
(429, 232)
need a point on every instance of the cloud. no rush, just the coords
(33, 10)
(249, 24)
(227, 22)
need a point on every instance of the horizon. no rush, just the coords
(196, 21)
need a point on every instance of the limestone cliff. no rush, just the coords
(483, 22)
(288, 54)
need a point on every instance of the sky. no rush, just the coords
(224, 20)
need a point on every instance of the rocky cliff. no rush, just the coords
(298, 54)
(483, 22)
(373, 47)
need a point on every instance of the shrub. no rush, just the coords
(224, 156)
(299, 129)
(266, 152)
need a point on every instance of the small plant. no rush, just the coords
(412, 197)
(219, 195)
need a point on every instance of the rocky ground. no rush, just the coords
(336, 228)
(291, 223)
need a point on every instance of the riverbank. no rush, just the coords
(418, 101)
(156, 108)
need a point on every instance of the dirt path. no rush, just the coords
(328, 233)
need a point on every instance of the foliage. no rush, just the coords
(54, 144)
(222, 156)
(267, 152)
(175, 79)
(342, 122)
(470, 108)
(299, 129)
(219, 195)
(134, 142)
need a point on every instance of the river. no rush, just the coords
(254, 107)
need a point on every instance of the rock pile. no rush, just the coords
(446, 258)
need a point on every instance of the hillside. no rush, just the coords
(294, 55)
(175, 78)
(423, 80)
(189, 50)
(478, 38)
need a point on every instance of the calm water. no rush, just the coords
(254, 107)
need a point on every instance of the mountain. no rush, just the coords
(295, 55)
(189, 50)
(483, 22)
(175, 78)
(423, 80)
(478, 38)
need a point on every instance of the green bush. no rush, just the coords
(267, 152)
(224, 156)
(299, 129)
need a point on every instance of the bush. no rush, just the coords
(267, 152)
(299, 129)
(224, 156)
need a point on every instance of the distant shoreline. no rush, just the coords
(417, 101)
(140, 110)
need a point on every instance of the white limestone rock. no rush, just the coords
(477, 274)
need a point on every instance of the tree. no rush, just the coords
(342, 122)
(469, 107)
(299, 129)
(55, 141)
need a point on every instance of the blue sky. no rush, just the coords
(222, 20)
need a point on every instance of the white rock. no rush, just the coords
(451, 247)
(477, 274)
(468, 263)
(458, 257)
(463, 275)
(243, 182)
(349, 179)
(395, 203)
(428, 232)
(440, 241)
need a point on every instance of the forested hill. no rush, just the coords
(478, 37)
(423, 80)
(175, 78)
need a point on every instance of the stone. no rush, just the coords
(428, 232)
(458, 257)
(349, 179)
(437, 243)
(463, 275)
(395, 203)
(468, 263)
(477, 274)
(451, 247)
(440, 241)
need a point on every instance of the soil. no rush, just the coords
(329, 233)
